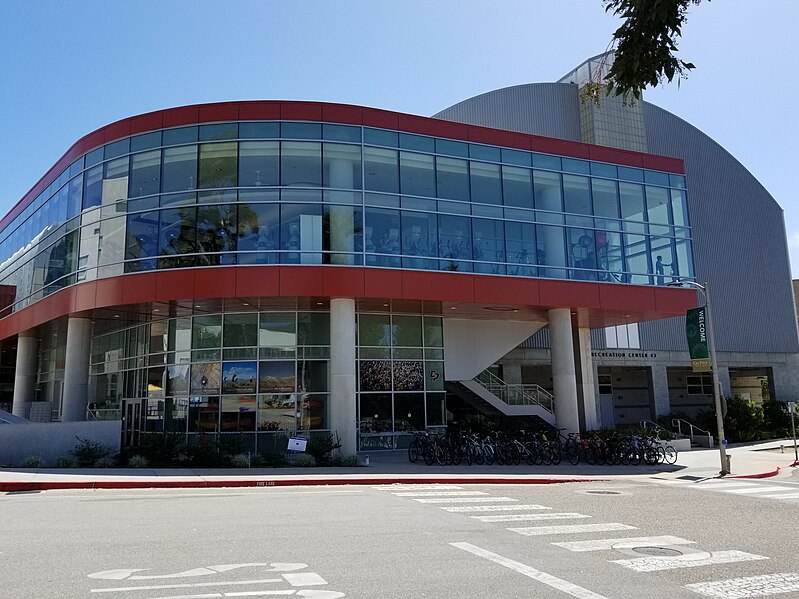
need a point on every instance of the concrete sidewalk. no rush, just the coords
(752, 461)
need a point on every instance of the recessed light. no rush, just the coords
(319, 303)
(156, 309)
(116, 315)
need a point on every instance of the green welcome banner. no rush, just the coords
(696, 332)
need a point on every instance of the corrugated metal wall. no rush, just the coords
(739, 239)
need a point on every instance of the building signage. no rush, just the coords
(696, 333)
(623, 354)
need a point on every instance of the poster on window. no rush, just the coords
(408, 376)
(205, 378)
(375, 375)
(239, 377)
(277, 376)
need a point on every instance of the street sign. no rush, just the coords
(792, 407)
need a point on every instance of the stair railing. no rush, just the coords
(516, 394)
(693, 431)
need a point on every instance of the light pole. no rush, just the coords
(705, 289)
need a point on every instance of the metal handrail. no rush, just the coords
(650, 424)
(678, 423)
(516, 394)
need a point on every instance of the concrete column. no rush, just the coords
(564, 379)
(25, 374)
(512, 373)
(76, 370)
(586, 384)
(343, 412)
(724, 379)
(660, 390)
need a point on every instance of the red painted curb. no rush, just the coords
(769, 474)
(16, 487)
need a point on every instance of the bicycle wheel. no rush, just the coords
(469, 455)
(573, 455)
(488, 454)
(413, 451)
(441, 455)
(651, 456)
(457, 455)
(428, 454)
(671, 454)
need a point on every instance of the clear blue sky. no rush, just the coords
(70, 67)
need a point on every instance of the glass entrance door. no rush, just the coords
(131, 422)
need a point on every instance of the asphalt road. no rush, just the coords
(329, 542)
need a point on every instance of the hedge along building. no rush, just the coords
(642, 370)
(263, 267)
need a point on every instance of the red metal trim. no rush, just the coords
(335, 113)
(601, 302)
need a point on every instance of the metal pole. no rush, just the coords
(793, 429)
(716, 384)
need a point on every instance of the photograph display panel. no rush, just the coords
(239, 377)
(205, 378)
(278, 376)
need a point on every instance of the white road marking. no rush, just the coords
(464, 499)
(565, 529)
(187, 585)
(751, 586)
(127, 573)
(547, 579)
(304, 579)
(690, 560)
(626, 543)
(783, 496)
(494, 508)
(409, 487)
(437, 493)
(518, 517)
(757, 490)
(707, 485)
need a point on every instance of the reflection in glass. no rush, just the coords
(276, 412)
(218, 164)
(203, 414)
(409, 412)
(277, 376)
(375, 414)
(277, 329)
(179, 171)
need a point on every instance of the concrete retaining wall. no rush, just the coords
(50, 441)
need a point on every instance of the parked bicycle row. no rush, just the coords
(539, 448)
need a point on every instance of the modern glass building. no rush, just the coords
(263, 268)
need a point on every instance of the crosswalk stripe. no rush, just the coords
(750, 586)
(689, 560)
(494, 508)
(437, 493)
(625, 543)
(757, 490)
(783, 496)
(462, 499)
(518, 517)
(411, 487)
(565, 529)
(711, 485)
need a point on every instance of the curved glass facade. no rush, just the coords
(282, 192)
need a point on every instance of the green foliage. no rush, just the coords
(105, 462)
(269, 460)
(645, 44)
(206, 456)
(345, 461)
(743, 422)
(87, 452)
(32, 461)
(321, 447)
(240, 460)
(66, 461)
(161, 450)
(777, 419)
(305, 460)
(138, 461)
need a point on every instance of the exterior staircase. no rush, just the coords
(494, 397)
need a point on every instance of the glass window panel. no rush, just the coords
(301, 233)
(341, 132)
(606, 202)
(662, 256)
(407, 331)
(301, 130)
(342, 233)
(481, 152)
(374, 330)
(375, 414)
(238, 413)
(112, 232)
(374, 375)
(452, 178)
(517, 187)
(75, 201)
(551, 251)
(610, 256)
(218, 164)
(115, 181)
(177, 236)
(277, 329)
(381, 169)
(683, 266)
(577, 198)
(301, 164)
(206, 332)
(239, 377)
(142, 240)
(548, 196)
(277, 376)
(521, 248)
(657, 204)
(145, 174)
(603, 170)
(203, 413)
(418, 204)
(582, 253)
(94, 157)
(419, 235)
(341, 167)
(77, 166)
(656, 177)
(679, 208)
(256, 130)
(408, 141)
(117, 148)
(313, 328)
(219, 131)
(632, 202)
(417, 174)
(181, 135)
(454, 236)
(382, 236)
(409, 412)
(241, 330)
(276, 412)
(313, 411)
(179, 168)
(485, 182)
(93, 187)
(630, 174)
(258, 231)
(488, 244)
(674, 181)
(145, 141)
(380, 137)
(453, 148)
(636, 253)
(179, 199)
(259, 163)
(572, 165)
(518, 157)
(436, 415)
(546, 161)
(177, 381)
(312, 376)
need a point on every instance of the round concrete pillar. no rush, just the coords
(25, 374)
(76, 370)
(564, 378)
(343, 410)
